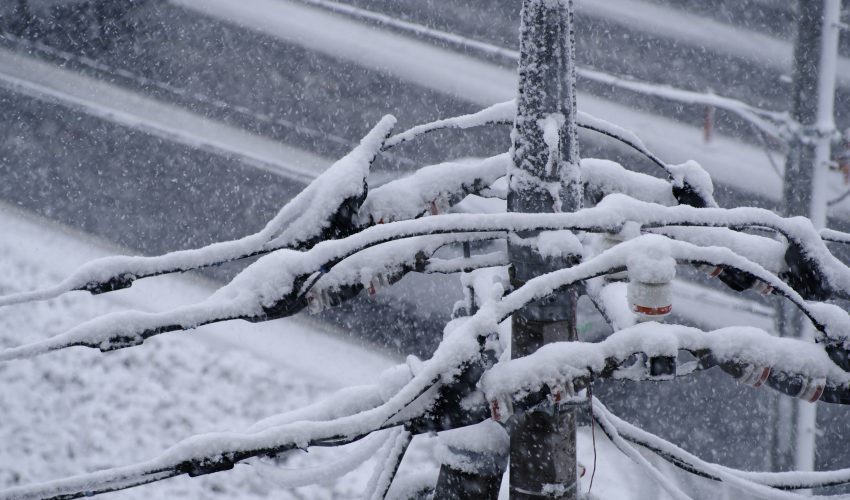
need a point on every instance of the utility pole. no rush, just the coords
(804, 193)
(545, 178)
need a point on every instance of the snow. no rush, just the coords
(349, 40)
(82, 411)
(313, 208)
(770, 122)
(825, 117)
(666, 483)
(651, 264)
(768, 252)
(480, 447)
(563, 362)
(393, 379)
(500, 113)
(431, 189)
(285, 436)
(752, 483)
(611, 299)
(347, 461)
(603, 177)
(695, 176)
(558, 244)
(389, 457)
(275, 273)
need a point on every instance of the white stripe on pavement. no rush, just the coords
(45, 81)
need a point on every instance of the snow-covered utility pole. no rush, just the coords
(815, 58)
(545, 178)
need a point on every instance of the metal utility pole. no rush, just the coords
(545, 178)
(804, 193)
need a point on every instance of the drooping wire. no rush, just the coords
(592, 434)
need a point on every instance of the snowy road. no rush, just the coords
(700, 31)
(730, 161)
(110, 102)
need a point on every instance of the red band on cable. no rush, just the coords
(818, 393)
(494, 410)
(653, 311)
(765, 373)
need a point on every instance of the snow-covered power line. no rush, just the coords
(572, 228)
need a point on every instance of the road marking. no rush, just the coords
(45, 81)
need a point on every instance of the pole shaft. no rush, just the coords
(804, 191)
(545, 178)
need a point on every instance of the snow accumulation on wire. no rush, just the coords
(298, 223)
(351, 456)
(338, 238)
(604, 177)
(689, 177)
(389, 459)
(790, 480)
(272, 287)
(433, 189)
(773, 123)
(560, 363)
(333, 201)
(219, 451)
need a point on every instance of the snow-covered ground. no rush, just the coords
(79, 410)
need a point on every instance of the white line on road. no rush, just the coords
(44, 81)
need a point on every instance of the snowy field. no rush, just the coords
(78, 410)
